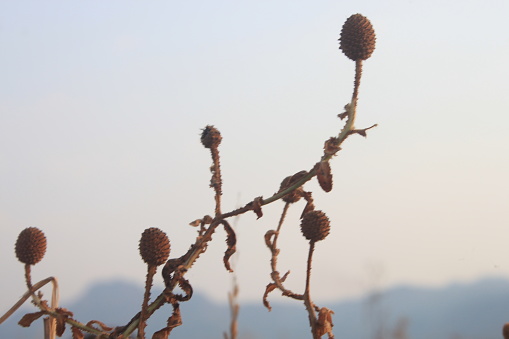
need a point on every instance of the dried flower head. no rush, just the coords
(357, 39)
(210, 137)
(315, 225)
(154, 246)
(505, 331)
(30, 246)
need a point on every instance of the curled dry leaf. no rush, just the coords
(343, 115)
(162, 334)
(175, 319)
(288, 182)
(360, 132)
(269, 238)
(363, 131)
(186, 287)
(257, 207)
(195, 223)
(28, 318)
(102, 325)
(331, 146)
(231, 242)
(324, 175)
(168, 269)
(270, 287)
(324, 322)
(205, 221)
(310, 206)
(76, 333)
(297, 176)
(62, 315)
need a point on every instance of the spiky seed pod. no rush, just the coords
(505, 331)
(315, 225)
(357, 39)
(210, 137)
(154, 246)
(30, 246)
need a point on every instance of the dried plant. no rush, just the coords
(357, 41)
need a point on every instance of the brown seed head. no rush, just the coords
(210, 137)
(357, 39)
(315, 225)
(505, 331)
(30, 246)
(154, 246)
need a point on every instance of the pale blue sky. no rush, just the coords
(101, 106)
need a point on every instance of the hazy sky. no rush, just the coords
(102, 103)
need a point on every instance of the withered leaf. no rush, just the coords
(310, 206)
(207, 219)
(168, 269)
(331, 146)
(103, 326)
(324, 322)
(162, 334)
(257, 207)
(195, 223)
(28, 318)
(60, 329)
(324, 175)
(360, 132)
(62, 315)
(270, 287)
(268, 238)
(231, 241)
(297, 176)
(187, 288)
(76, 333)
(175, 319)
(343, 115)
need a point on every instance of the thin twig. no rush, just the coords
(216, 181)
(307, 297)
(151, 270)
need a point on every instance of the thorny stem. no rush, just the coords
(357, 81)
(25, 297)
(49, 328)
(234, 310)
(307, 297)
(351, 110)
(197, 249)
(200, 245)
(31, 293)
(143, 316)
(273, 260)
(216, 181)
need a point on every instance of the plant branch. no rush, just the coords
(310, 307)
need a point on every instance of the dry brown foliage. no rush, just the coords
(358, 43)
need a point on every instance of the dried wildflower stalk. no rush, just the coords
(357, 41)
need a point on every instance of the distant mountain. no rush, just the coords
(459, 311)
